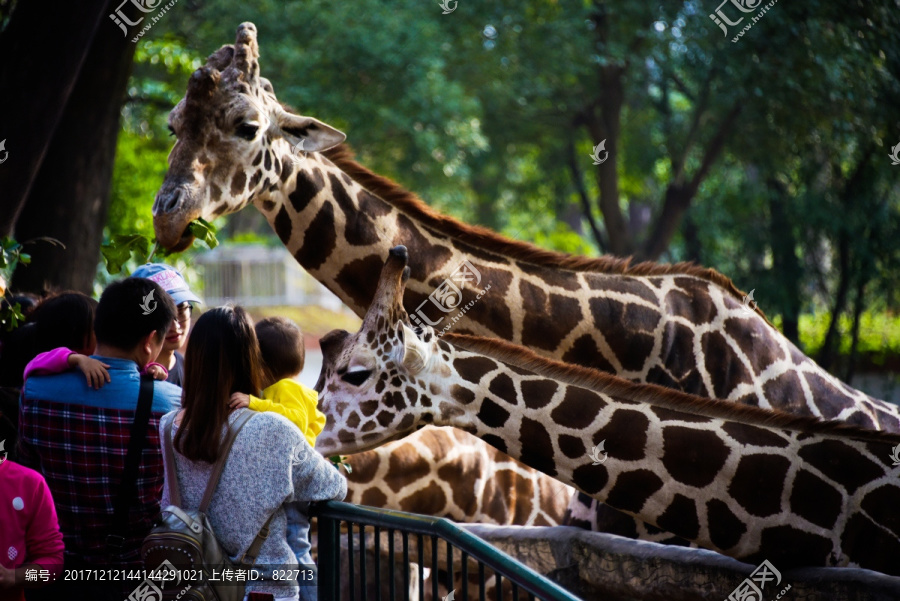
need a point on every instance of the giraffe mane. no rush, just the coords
(656, 395)
(344, 158)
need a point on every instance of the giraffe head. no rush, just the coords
(375, 385)
(235, 142)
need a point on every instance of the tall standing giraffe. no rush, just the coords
(679, 326)
(748, 482)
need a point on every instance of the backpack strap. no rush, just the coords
(174, 491)
(219, 466)
(128, 487)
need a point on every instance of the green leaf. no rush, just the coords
(11, 317)
(120, 249)
(204, 231)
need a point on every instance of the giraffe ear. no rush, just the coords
(306, 133)
(415, 352)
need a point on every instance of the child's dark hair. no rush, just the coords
(281, 347)
(127, 312)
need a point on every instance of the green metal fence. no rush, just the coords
(417, 537)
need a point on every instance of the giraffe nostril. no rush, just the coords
(168, 202)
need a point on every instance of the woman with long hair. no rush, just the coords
(270, 464)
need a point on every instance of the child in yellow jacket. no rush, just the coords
(283, 356)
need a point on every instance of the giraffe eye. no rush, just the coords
(356, 378)
(171, 131)
(246, 131)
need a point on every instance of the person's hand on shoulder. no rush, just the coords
(238, 400)
(95, 371)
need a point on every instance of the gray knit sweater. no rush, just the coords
(270, 463)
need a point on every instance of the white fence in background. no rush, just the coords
(260, 276)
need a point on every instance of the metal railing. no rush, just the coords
(416, 538)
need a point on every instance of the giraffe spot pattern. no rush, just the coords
(815, 500)
(319, 241)
(494, 317)
(628, 330)
(430, 500)
(790, 547)
(584, 351)
(554, 278)
(305, 189)
(724, 364)
(590, 478)
(666, 414)
(681, 517)
(369, 204)
(491, 414)
(373, 498)
(841, 463)
(462, 395)
(571, 446)
(758, 482)
(359, 229)
(752, 435)
(503, 388)
(546, 333)
(625, 434)
(578, 408)
(693, 457)
(472, 369)
(537, 446)
(884, 501)
(427, 259)
(538, 393)
(870, 545)
(725, 528)
(354, 279)
(632, 489)
(282, 225)
(238, 182)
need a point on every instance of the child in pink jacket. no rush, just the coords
(29, 537)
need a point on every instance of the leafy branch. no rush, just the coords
(11, 255)
(122, 247)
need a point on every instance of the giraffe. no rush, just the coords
(680, 326)
(748, 482)
(449, 473)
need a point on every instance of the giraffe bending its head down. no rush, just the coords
(744, 481)
(679, 326)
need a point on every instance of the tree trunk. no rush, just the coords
(43, 51)
(69, 198)
(786, 265)
(858, 306)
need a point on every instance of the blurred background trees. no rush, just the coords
(765, 158)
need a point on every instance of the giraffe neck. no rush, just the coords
(683, 330)
(712, 473)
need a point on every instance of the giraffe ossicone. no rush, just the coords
(747, 482)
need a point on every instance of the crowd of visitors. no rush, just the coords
(75, 496)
